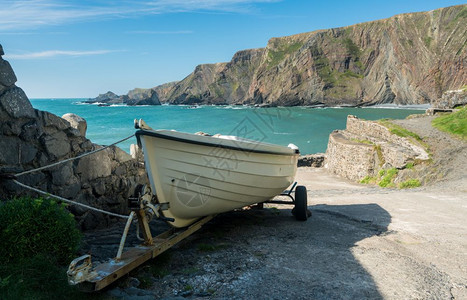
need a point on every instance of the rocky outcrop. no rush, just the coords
(134, 97)
(31, 138)
(366, 147)
(406, 59)
(452, 99)
(311, 160)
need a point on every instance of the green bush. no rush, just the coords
(388, 177)
(411, 183)
(30, 227)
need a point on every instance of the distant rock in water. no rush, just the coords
(406, 59)
(134, 97)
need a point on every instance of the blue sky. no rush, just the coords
(78, 49)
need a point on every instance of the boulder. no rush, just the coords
(57, 145)
(76, 122)
(7, 75)
(16, 103)
(94, 166)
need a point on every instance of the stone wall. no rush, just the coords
(350, 159)
(365, 147)
(30, 138)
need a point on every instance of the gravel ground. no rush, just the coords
(362, 242)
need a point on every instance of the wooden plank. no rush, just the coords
(111, 271)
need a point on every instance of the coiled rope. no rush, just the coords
(14, 178)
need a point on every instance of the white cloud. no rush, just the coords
(158, 32)
(53, 53)
(17, 14)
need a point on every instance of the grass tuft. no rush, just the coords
(408, 184)
(454, 123)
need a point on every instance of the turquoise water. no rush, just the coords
(308, 128)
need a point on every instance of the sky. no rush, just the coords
(82, 48)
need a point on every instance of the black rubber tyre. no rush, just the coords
(300, 210)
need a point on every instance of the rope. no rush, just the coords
(69, 201)
(14, 177)
(73, 158)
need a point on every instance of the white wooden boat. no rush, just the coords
(196, 175)
(192, 178)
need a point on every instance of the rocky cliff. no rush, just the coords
(406, 59)
(134, 97)
(30, 138)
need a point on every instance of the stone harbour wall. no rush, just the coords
(365, 147)
(30, 138)
(350, 159)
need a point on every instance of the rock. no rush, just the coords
(76, 122)
(120, 155)
(134, 97)
(451, 99)
(27, 152)
(63, 175)
(51, 122)
(94, 166)
(16, 103)
(9, 151)
(57, 145)
(312, 160)
(108, 97)
(1, 50)
(7, 75)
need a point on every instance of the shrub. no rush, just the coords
(388, 178)
(30, 227)
(411, 183)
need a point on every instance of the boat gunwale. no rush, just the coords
(143, 132)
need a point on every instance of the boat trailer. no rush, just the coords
(90, 279)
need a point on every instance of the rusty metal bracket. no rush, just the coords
(80, 270)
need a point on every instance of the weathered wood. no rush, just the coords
(112, 270)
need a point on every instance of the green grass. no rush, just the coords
(387, 177)
(367, 142)
(384, 178)
(408, 184)
(276, 56)
(352, 48)
(369, 179)
(399, 130)
(454, 123)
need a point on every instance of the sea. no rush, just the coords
(306, 127)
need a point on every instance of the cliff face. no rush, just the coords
(406, 59)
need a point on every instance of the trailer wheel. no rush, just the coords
(300, 211)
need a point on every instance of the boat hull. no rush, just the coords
(200, 176)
